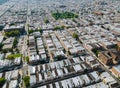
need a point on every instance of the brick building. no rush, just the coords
(116, 70)
(109, 57)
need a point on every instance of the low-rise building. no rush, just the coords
(1, 39)
(8, 43)
(109, 57)
(116, 70)
(19, 27)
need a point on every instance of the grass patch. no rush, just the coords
(64, 15)
(13, 56)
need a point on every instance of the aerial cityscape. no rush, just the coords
(59, 43)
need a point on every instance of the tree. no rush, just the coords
(40, 30)
(27, 59)
(4, 50)
(75, 35)
(15, 42)
(4, 38)
(17, 50)
(118, 78)
(118, 11)
(28, 42)
(78, 24)
(10, 57)
(12, 33)
(64, 15)
(1, 28)
(74, 20)
(69, 52)
(117, 47)
(96, 51)
(59, 57)
(91, 23)
(30, 31)
(28, 25)
(62, 26)
(59, 27)
(86, 70)
(7, 50)
(2, 81)
(46, 21)
(1, 45)
(64, 50)
(26, 80)
(10, 50)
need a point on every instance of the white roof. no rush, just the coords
(59, 71)
(105, 75)
(45, 75)
(57, 85)
(95, 75)
(68, 82)
(98, 85)
(53, 73)
(40, 77)
(73, 50)
(77, 67)
(14, 74)
(32, 69)
(13, 84)
(117, 68)
(32, 79)
(61, 64)
(109, 79)
(5, 85)
(90, 58)
(8, 75)
(1, 75)
(75, 81)
(1, 39)
(86, 78)
(43, 86)
(52, 65)
(51, 86)
(64, 84)
(66, 71)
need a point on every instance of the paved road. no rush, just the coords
(59, 79)
(105, 67)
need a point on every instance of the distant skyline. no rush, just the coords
(3, 1)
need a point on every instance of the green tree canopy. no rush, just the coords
(58, 27)
(64, 15)
(46, 21)
(75, 35)
(31, 31)
(26, 80)
(12, 33)
(96, 51)
(27, 59)
(15, 42)
(2, 81)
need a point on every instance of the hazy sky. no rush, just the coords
(3, 1)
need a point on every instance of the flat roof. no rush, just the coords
(117, 68)
(1, 39)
